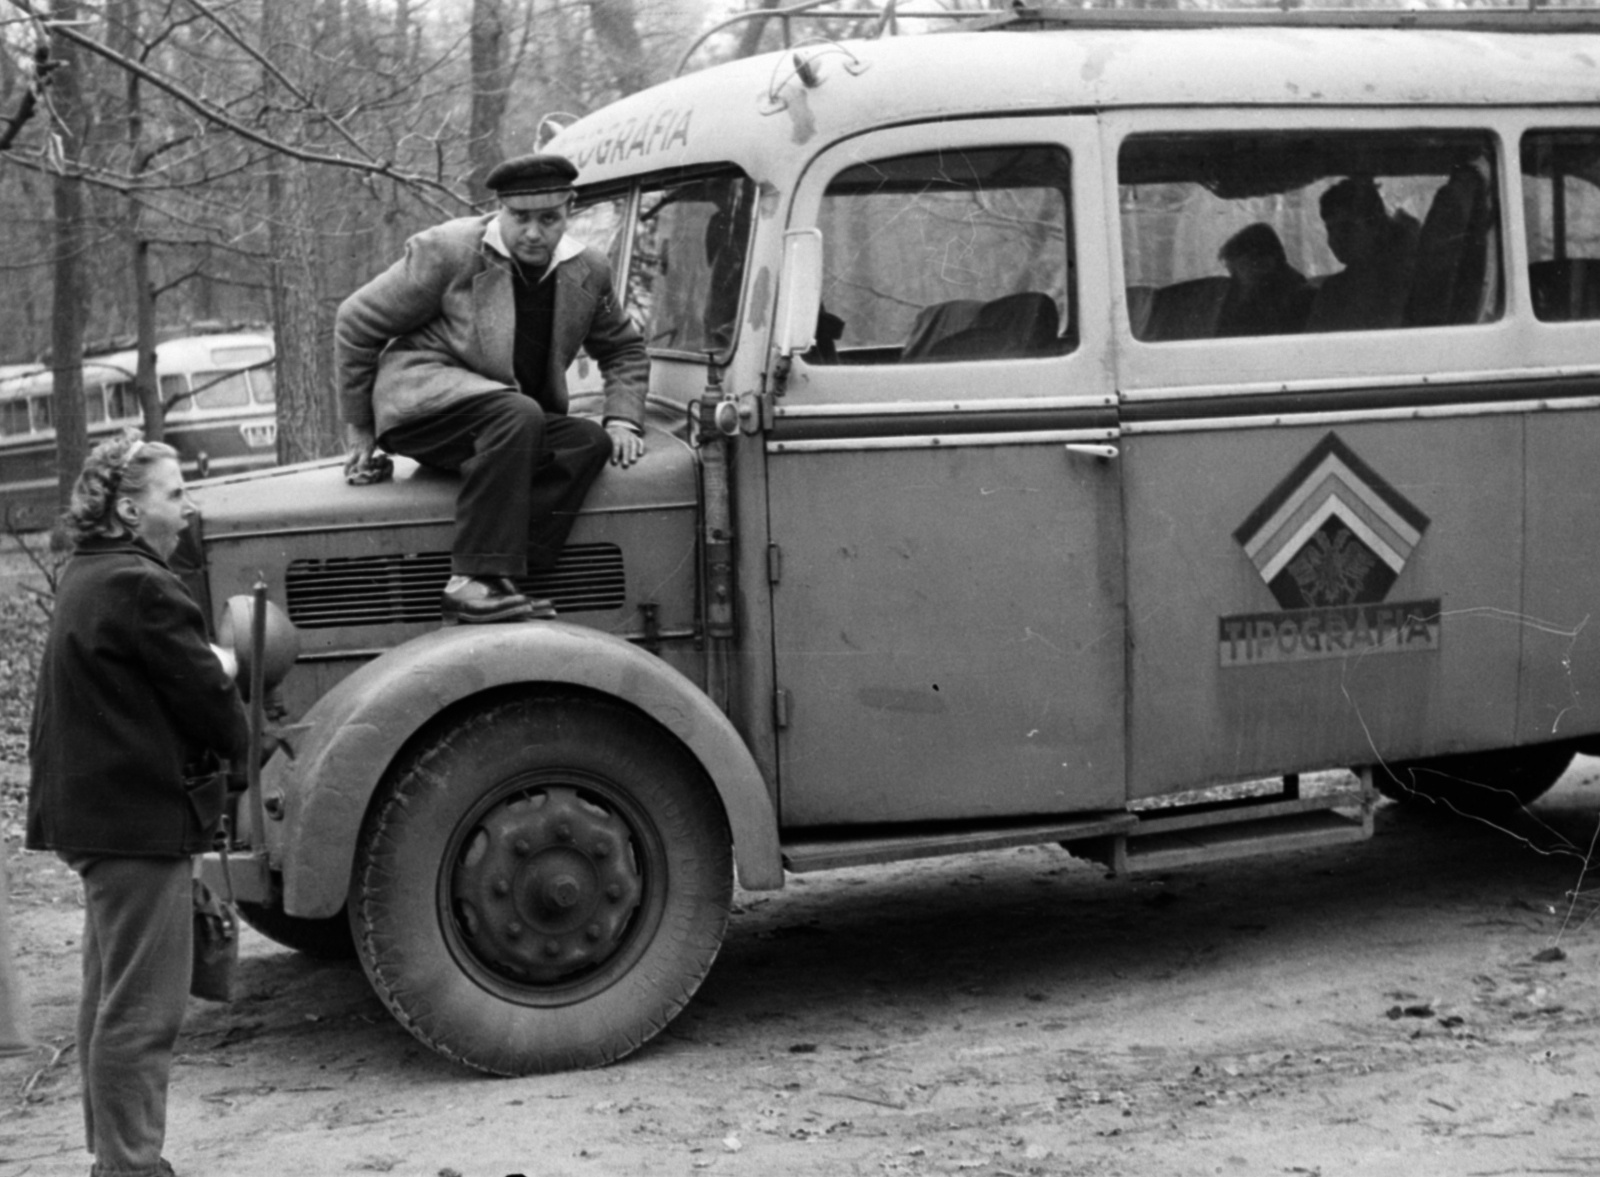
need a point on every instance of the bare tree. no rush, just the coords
(491, 89)
(306, 428)
(70, 119)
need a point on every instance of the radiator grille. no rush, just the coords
(382, 590)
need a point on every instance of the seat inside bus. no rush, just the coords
(1016, 325)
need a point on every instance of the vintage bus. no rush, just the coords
(217, 389)
(1051, 421)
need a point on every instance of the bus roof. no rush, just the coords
(758, 114)
(190, 353)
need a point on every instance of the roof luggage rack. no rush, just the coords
(1531, 18)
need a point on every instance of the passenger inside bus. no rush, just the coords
(1378, 250)
(1265, 294)
(1377, 230)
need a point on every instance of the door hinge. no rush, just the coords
(780, 708)
(774, 563)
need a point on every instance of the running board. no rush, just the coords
(1125, 842)
(1165, 839)
(831, 852)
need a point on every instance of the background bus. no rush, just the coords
(219, 397)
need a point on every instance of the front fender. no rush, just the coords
(356, 730)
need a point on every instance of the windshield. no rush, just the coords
(685, 259)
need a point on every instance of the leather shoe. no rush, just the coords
(484, 599)
(543, 608)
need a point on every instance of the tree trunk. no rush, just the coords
(122, 21)
(145, 381)
(308, 424)
(491, 88)
(617, 31)
(68, 313)
(750, 38)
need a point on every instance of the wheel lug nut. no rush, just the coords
(601, 849)
(592, 931)
(501, 887)
(513, 930)
(563, 832)
(551, 948)
(520, 847)
(614, 892)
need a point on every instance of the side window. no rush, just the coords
(41, 413)
(94, 404)
(264, 386)
(221, 390)
(949, 255)
(1561, 204)
(122, 402)
(175, 394)
(1278, 234)
(14, 417)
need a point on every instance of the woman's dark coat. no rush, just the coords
(130, 698)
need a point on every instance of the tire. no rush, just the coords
(324, 939)
(542, 885)
(1478, 784)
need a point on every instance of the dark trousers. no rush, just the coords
(524, 473)
(138, 933)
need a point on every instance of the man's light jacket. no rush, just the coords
(440, 325)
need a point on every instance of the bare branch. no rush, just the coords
(422, 185)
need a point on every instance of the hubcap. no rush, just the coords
(546, 886)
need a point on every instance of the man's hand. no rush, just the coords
(366, 463)
(362, 441)
(627, 447)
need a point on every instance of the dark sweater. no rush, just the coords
(129, 700)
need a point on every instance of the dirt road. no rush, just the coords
(1390, 1009)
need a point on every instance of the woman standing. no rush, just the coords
(131, 702)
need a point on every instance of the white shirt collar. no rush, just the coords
(567, 248)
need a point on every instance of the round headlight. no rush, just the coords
(281, 647)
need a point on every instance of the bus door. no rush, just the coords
(943, 486)
(1323, 451)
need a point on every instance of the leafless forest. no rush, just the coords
(166, 163)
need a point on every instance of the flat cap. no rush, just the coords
(532, 175)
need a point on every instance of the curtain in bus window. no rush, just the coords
(687, 261)
(13, 418)
(1272, 234)
(94, 405)
(41, 413)
(122, 402)
(220, 390)
(1561, 207)
(949, 255)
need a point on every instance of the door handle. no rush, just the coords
(1104, 452)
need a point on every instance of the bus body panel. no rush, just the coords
(1560, 672)
(1227, 683)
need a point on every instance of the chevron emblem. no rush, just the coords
(1333, 532)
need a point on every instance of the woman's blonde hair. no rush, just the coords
(117, 467)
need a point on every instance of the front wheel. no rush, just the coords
(1481, 784)
(542, 885)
